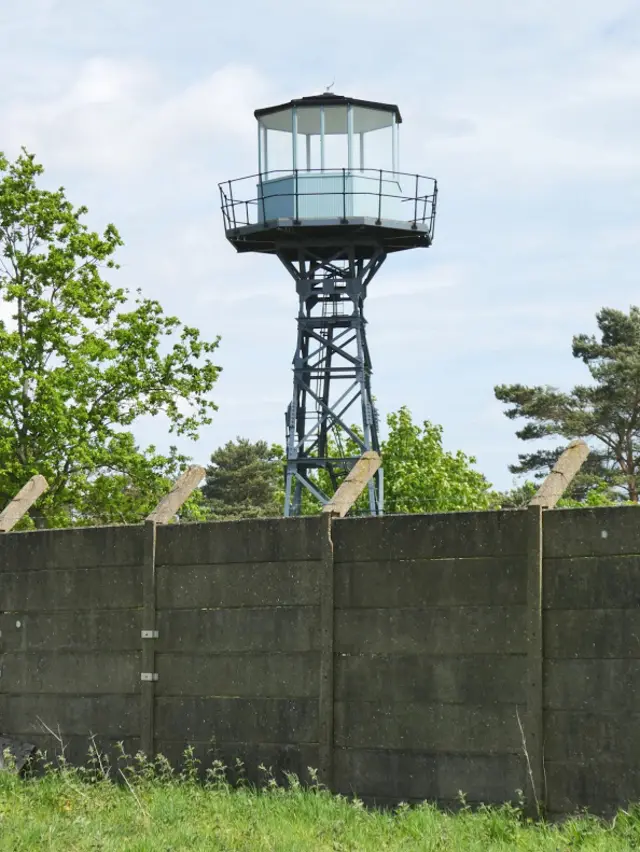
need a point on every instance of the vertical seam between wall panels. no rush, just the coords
(327, 620)
(533, 729)
(148, 636)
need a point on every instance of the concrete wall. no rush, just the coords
(406, 658)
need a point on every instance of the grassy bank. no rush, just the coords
(153, 809)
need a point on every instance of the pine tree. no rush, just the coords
(244, 480)
(605, 413)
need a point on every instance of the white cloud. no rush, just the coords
(119, 115)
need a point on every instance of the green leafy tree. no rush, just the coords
(130, 490)
(244, 480)
(419, 474)
(80, 361)
(605, 412)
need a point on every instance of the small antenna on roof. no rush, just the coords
(327, 91)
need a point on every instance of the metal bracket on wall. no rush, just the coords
(148, 676)
(149, 634)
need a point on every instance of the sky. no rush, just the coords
(528, 114)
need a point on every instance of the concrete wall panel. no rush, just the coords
(597, 582)
(78, 715)
(579, 736)
(455, 535)
(88, 547)
(238, 584)
(591, 532)
(432, 582)
(259, 675)
(70, 672)
(117, 630)
(434, 728)
(275, 540)
(72, 590)
(276, 629)
(477, 678)
(594, 686)
(592, 633)
(446, 630)
(250, 720)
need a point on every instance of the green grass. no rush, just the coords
(154, 809)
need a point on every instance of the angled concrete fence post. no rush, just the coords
(162, 514)
(561, 475)
(22, 502)
(354, 484)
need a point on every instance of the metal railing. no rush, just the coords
(250, 200)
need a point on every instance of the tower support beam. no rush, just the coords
(331, 420)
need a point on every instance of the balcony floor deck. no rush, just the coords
(285, 236)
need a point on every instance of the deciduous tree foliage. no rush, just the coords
(127, 493)
(421, 476)
(244, 480)
(80, 362)
(605, 412)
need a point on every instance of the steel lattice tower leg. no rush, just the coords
(332, 376)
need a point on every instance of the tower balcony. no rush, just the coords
(397, 207)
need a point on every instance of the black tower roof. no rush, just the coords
(329, 99)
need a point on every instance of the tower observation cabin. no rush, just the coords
(330, 201)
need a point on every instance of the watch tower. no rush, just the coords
(333, 208)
